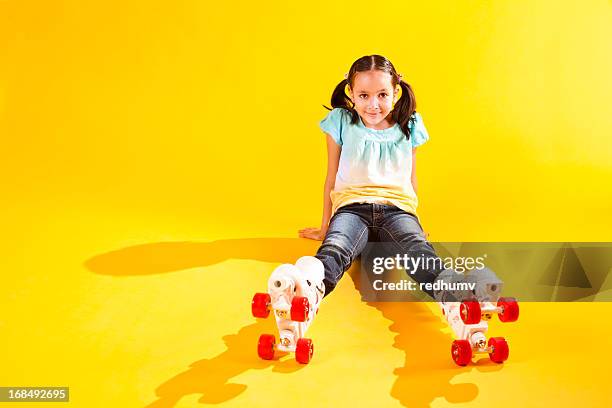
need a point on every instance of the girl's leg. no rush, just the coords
(405, 230)
(346, 238)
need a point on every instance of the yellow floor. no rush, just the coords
(158, 159)
(133, 309)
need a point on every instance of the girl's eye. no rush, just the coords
(384, 95)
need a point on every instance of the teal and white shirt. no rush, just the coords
(375, 165)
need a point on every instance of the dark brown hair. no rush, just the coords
(405, 107)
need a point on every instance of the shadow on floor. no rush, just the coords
(428, 368)
(425, 376)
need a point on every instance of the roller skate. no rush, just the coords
(468, 313)
(294, 294)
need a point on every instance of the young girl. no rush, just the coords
(373, 132)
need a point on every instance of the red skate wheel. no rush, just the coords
(304, 350)
(260, 306)
(500, 349)
(265, 346)
(461, 351)
(299, 309)
(470, 312)
(510, 309)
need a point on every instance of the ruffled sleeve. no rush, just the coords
(418, 132)
(333, 123)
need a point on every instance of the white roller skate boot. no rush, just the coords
(294, 293)
(467, 312)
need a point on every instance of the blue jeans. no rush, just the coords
(353, 225)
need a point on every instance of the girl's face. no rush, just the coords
(374, 96)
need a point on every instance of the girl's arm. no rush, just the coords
(413, 176)
(333, 159)
(413, 179)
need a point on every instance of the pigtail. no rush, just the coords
(340, 99)
(403, 112)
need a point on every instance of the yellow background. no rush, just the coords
(158, 158)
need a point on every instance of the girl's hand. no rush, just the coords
(312, 233)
